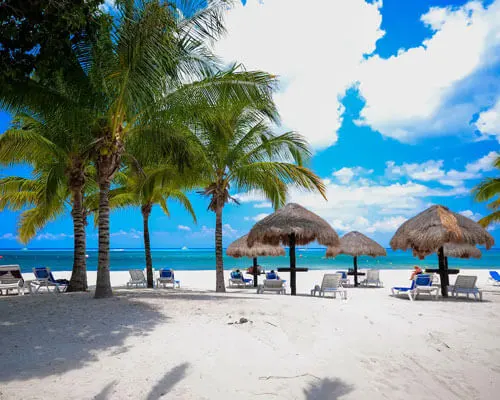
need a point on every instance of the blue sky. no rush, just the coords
(399, 100)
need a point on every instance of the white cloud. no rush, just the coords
(265, 204)
(108, 6)
(471, 214)
(183, 228)
(488, 122)
(53, 236)
(258, 217)
(9, 236)
(315, 47)
(132, 234)
(433, 170)
(205, 231)
(411, 94)
(346, 174)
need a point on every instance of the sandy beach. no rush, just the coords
(184, 344)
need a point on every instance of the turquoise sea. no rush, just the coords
(204, 259)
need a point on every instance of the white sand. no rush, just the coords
(150, 344)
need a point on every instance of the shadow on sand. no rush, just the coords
(327, 389)
(183, 295)
(51, 334)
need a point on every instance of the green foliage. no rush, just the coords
(487, 190)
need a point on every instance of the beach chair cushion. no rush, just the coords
(11, 278)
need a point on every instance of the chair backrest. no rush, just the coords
(466, 281)
(330, 281)
(495, 275)
(273, 283)
(167, 273)
(271, 275)
(10, 274)
(137, 275)
(423, 280)
(236, 275)
(43, 273)
(343, 274)
(373, 275)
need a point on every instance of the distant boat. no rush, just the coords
(117, 249)
(184, 248)
(24, 248)
(86, 256)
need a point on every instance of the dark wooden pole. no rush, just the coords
(292, 264)
(255, 265)
(355, 260)
(443, 272)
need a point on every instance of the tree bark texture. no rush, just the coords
(219, 263)
(293, 273)
(146, 212)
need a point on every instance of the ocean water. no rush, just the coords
(204, 259)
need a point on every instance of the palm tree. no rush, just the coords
(61, 169)
(487, 190)
(240, 151)
(146, 188)
(148, 67)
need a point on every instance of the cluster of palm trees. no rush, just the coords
(145, 113)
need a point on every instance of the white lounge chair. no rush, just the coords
(372, 278)
(465, 284)
(422, 284)
(272, 285)
(331, 283)
(44, 277)
(11, 279)
(236, 279)
(167, 278)
(137, 278)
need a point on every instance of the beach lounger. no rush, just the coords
(331, 283)
(494, 278)
(272, 275)
(11, 279)
(137, 278)
(167, 278)
(272, 285)
(372, 278)
(44, 277)
(236, 279)
(344, 278)
(465, 284)
(422, 284)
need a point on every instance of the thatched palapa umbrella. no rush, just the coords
(462, 250)
(292, 225)
(356, 244)
(239, 248)
(435, 227)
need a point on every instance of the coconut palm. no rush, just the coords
(60, 178)
(149, 65)
(145, 188)
(488, 190)
(241, 152)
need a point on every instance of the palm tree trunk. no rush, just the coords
(78, 281)
(219, 263)
(103, 283)
(146, 211)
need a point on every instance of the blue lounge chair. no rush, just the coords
(44, 277)
(344, 278)
(494, 278)
(422, 284)
(167, 277)
(236, 279)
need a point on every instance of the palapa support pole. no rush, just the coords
(443, 272)
(292, 264)
(355, 260)
(255, 266)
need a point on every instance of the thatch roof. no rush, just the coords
(239, 248)
(436, 226)
(461, 251)
(356, 244)
(293, 218)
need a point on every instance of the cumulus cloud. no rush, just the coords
(433, 170)
(131, 234)
(471, 214)
(9, 236)
(419, 92)
(488, 122)
(315, 56)
(346, 174)
(183, 228)
(265, 204)
(205, 231)
(53, 236)
(260, 216)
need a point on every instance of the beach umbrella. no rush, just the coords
(356, 244)
(239, 248)
(434, 228)
(462, 250)
(290, 226)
